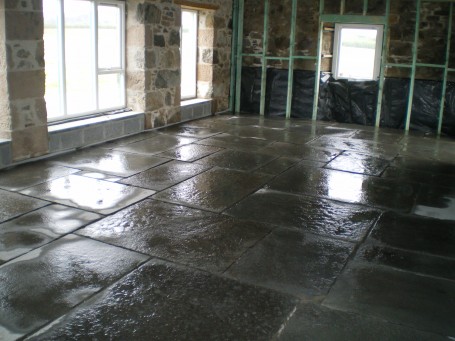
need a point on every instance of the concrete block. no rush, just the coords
(134, 125)
(5, 154)
(93, 134)
(54, 142)
(113, 130)
(71, 139)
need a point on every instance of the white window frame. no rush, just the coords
(337, 45)
(195, 51)
(96, 71)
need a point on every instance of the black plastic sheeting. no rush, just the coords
(350, 102)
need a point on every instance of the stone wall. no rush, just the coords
(432, 32)
(153, 58)
(152, 68)
(22, 94)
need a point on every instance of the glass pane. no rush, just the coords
(189, 54)
(357, 53)
(111, 93)
(109, 37)
(79, 57)
(51, 57)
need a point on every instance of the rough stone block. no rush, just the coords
(154, 100)
(135, 80)
(24, 5)
(206, 37)
(29, 142)
(28, 113)
(167, 79)
(148, 14)
(204, 73)
(26, 84)
(21, 25)
(135, 36)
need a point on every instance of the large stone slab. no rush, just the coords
(13, 204)
(156, 145)
(318, 323)
(409, 299)
(347, 187)
(47, 282)
(301, 152)
(32, 174)
(110, 162)
(190, 152)
(319, 216)
(293, 262)
(89, 194)
(166, 175)
(359, 163)
(160, 301)
(180, 234)
(415, 234)
(214, 190)
(235, 159)
(34, 229)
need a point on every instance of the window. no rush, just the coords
(357, 51)
(84, 55)
(189, 54)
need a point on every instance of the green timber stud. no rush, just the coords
(235, 19)
(365, 7)
(383, 65)
(239, 61)
(265, 47)
(291, 58)
(342, 7)
(413, 70)
(446, 70)
(318, 63)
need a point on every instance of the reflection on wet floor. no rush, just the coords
(233, 228)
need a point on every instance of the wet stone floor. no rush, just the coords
(233, 228)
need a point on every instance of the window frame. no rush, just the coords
(337, 46)
(193, 95)
(95, 71)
